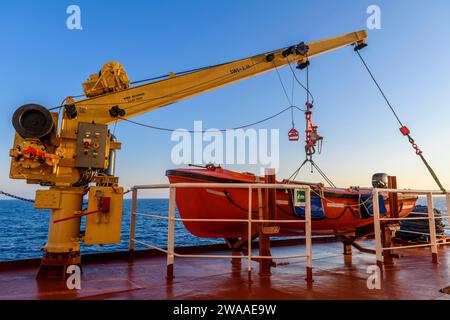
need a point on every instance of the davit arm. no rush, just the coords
(75, 155)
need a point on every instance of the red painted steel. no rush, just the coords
(113, 276)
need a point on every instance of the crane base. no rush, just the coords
(54, 265)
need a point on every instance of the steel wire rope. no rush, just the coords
(410, 139)
(218, 130)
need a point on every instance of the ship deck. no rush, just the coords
(115, 276)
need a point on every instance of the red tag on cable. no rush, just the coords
(404, 130)
(293, 135)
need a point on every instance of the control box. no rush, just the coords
(92, 146)
(103, 226)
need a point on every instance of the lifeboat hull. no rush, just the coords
(341, 207)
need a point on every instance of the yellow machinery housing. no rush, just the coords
(104, 227)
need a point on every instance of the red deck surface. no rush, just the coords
(335, 277)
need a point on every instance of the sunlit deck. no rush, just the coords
(113, 276)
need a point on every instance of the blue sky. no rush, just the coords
(43, 62)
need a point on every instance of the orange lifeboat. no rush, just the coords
(333, 210)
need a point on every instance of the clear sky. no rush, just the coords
(43, 62)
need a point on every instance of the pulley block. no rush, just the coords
(32, 121)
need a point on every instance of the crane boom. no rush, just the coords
(144, 98)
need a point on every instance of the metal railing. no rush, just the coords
(170, 251)
(429, 215)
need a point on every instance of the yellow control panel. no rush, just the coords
(92, 146)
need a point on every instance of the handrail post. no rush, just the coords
(386, 233)
(132, 221)
(249, 240)
(377, 228)
(171, 234)
(447, 200)
(308, 234)
(265, 231)
(432, 227)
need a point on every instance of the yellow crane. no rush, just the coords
(74, 154)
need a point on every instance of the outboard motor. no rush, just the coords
(380, 180)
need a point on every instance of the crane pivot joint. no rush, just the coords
(270, 57)
(289, 51)
(302, 49)
(71, 111)
(360, 46)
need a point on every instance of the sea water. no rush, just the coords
(23, 230)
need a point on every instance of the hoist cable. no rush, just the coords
(292, 99)
(299, 82)
(295, 173)
(218, 130)
(433, 174)
(178, 73)
(292, 117)
(379, 88)
(308, 157)
(324, 176)
(61, 105)
(294, 78)
(410, 139)
(186, 91)
(282, 84)
(292, 89)
(307, 79)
